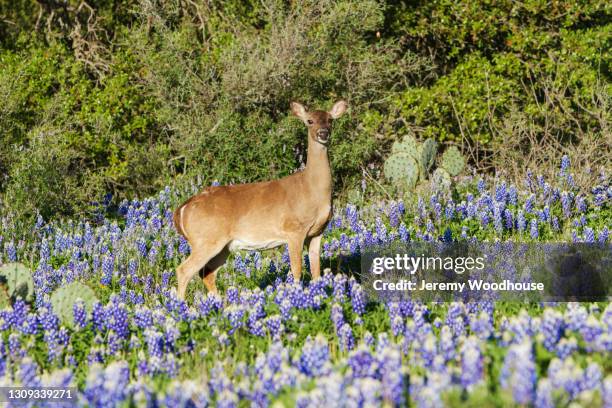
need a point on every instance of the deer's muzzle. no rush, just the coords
(323, 135)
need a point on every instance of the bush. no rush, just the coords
(127, 96)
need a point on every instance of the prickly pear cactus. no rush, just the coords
(402, 169)
(64, 298)
(5, 300)
(453, 161)
(407, 145)
(18, 281)
(441, 180)
(428, 154)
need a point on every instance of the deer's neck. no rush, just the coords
(317, 171)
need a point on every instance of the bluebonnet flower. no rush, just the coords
(232, 295)
(337, 316)
(347, 340)
(274, 325)
(565, 165)
(108, 267)
(107, 387)
(235, 315)
(141, 245)
(11, 251)
(607, 391)
(591, 379)
(153, 253)
(500, 192)
(471, 363)
(518, 372)
(481, 186)
(565, 375)
(589, 235)
(394, 215)
(581, 205)
(552, 327)
(529, 203)
(603, 235)
(403, 233)
(389, 360)
(28, 372)
(339, 285)
(117, 318)
(482, 325)
(99, 316)
(358, 299)
(381, 230)
(497, 219)
(509, 221)
(315, 356)
(14, 344)
(154, 340)
(533, 229)
(544, 397)
(80, 314)
(555, 224)
(565, 347)
(512, 195)
(183, 246)
(566, 204)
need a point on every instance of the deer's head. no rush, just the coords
(319, 122)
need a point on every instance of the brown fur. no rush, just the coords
(292, 210)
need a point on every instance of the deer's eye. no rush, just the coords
(310, 122)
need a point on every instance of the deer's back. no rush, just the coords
(258, 215)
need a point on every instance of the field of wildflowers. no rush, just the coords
(267, 340)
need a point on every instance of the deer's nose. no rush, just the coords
(323, 134)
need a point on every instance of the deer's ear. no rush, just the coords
(338, 109)
(298, 110)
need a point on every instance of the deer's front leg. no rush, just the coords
(314, 254)
(296, 244)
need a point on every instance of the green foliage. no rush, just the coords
(130, 96)
(64, 298)
(461, 102)
(454, 29)
(514, 81)
(452, 161)
(178, 88)
(18, 282)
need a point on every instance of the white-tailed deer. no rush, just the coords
(293, 210)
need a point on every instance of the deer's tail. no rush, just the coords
(177, 218)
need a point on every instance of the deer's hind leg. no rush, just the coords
(314, 256)
(209, 272)
(296, 245)
(200, 255)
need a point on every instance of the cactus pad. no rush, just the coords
(441, 180)
(407, 145)
(402, 169)
(64, 298)
(18, 280)
(453, 161)
(428, 154)
(5, 300)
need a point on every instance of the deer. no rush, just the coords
(293, 211)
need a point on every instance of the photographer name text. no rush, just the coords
(473, 285)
